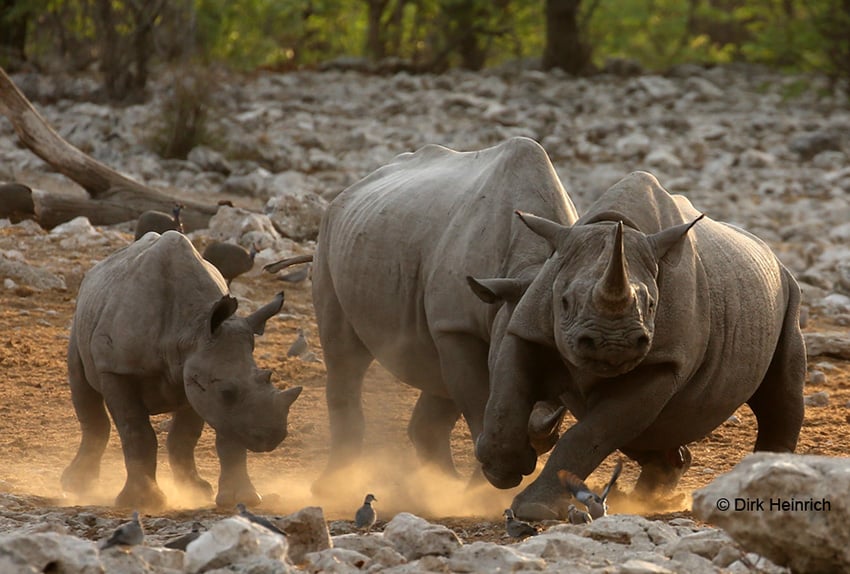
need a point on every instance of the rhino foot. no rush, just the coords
(230, 497)
(78, 480)
(196, 487)
(141, 494)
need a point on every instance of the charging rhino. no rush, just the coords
(389, 283)
(154, 331)
(652, 325)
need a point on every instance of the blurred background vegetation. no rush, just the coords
(124, 38)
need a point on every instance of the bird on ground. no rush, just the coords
(182, 542)
(365, 517)
(159, 221)
(517, 528)
(128, 534)
(596, 504)
(230, 259)
(576, 516)
(298, 276)
(251, 517)
(299, 345)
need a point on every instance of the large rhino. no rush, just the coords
(154, 331)
(389, 283)
(652, 328)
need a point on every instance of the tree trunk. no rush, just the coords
(564, 48)
(375, 46)
(115, 198)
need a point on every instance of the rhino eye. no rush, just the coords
(565, 304)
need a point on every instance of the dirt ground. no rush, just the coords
(39, 432)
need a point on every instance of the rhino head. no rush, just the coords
(595, 301)
(224, 385)
(604, 291)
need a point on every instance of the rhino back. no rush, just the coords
(395, 248)
(139, 308)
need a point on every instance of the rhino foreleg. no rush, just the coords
(234, 485)
(84, 470)
(186, 428)
(618, 413)
(660, 470)
(778, 402)
(430, 431)
(138, 441)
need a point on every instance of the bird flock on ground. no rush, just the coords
(132, 533)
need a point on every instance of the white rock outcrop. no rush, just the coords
(792, 509)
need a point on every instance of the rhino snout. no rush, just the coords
(610, 356)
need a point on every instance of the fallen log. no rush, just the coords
(113, 197)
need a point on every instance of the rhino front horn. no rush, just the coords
(613, 291)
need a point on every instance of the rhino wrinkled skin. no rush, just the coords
(652, 332)
(154, 331)
(390, 283)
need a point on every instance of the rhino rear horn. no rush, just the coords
(257, 319)
(664, 240)
(498, 290)
(553, 233)
(284, 399)
(223, 309)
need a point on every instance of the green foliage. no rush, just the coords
(435, 34)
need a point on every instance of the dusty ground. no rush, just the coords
(39, 432)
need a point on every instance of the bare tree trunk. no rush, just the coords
(375, 46)
(118, 198)
(564, 47)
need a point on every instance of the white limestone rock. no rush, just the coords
(414, 537)
(794, 509)
(234, 541)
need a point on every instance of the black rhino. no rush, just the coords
(155, 331)
(389, 283)
(652, 326)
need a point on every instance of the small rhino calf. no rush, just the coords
(155, 331)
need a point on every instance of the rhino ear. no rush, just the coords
(498, 290)
(257, 319)
(664, 240)
(221, 311)
(553, 233)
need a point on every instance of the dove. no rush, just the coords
(299, 346)
(518, 528)
(576, 516)
(250, 516)
(596, 504)
(365, 517)
(182, 542)
(128, 534)
(296, 276)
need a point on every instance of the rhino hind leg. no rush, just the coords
(346, 362)
(186, 428)
(778, 401)
(138, 442)
(430, 431)
(660, 470)
(234, 484)
(79, 477)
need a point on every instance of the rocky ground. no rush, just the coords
(767, 152)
